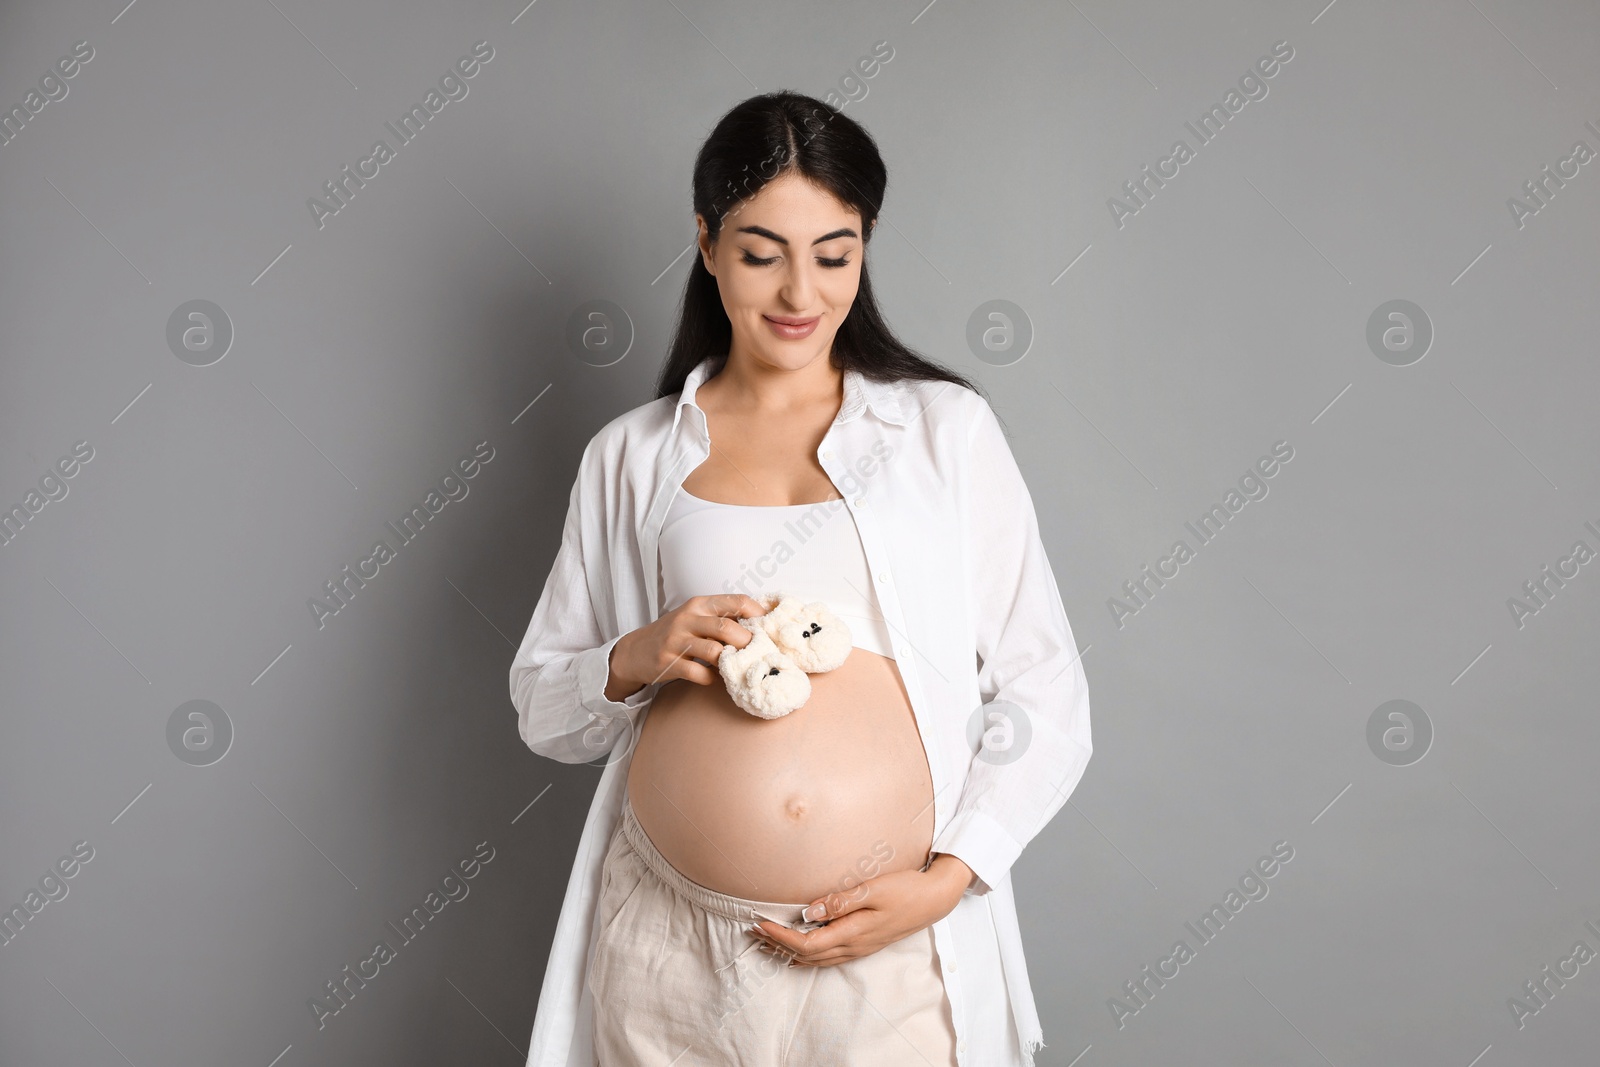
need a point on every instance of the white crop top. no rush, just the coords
(811, 551)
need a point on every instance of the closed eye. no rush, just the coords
(754, 262)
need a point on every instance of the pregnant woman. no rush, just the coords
(830, 886)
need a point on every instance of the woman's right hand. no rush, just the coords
(675, 645)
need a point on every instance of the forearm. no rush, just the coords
(952, 874)
(619, 688)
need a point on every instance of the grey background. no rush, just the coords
(1230, 313)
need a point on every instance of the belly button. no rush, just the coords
(795, 808)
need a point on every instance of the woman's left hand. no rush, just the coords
(873, 915)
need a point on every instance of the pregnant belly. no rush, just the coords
(786, 810)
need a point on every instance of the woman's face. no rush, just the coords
(789, 254)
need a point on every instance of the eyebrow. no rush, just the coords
(762, 231)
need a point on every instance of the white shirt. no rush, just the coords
(952, 543)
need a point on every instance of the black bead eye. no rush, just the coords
(772, 672)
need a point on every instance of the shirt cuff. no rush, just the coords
(594, 671)
(980, 842)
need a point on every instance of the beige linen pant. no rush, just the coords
(677, 981)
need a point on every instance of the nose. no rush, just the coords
(799, 288)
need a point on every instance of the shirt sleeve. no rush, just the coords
(1030, 678)
(559, 675)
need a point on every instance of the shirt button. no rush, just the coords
(883, 576)
(950, 966)
(961, 1046)
(861, 501)
(905, 653)
(828, 454)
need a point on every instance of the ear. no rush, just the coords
(703, 239)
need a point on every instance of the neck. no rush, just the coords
(760, 388)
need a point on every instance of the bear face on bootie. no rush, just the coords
(760, 678)
(767, 678)
(811, 635)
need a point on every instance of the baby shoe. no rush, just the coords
(761, 678)
(813, 637)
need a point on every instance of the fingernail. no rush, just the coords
(816, 911)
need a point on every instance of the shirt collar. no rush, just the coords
(860, 393)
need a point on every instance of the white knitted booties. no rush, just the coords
(767, 677)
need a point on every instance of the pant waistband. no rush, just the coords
(736, 908)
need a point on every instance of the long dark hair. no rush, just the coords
(756, 141)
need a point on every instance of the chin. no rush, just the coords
(793, 358)
(792, 355)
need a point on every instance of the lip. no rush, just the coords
(790, 328)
